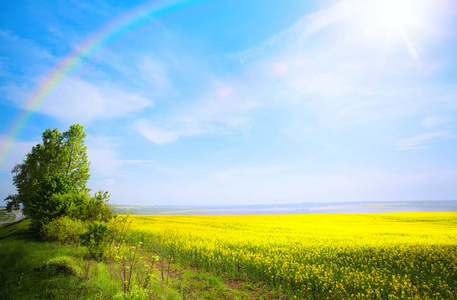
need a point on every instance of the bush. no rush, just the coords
(63, 230)
(59, 265)
(95, 238)
(76, 205)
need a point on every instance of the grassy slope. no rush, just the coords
(6, 217)
(21, 256)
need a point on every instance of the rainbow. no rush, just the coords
(127, 22)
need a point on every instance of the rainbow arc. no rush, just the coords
(127, 22)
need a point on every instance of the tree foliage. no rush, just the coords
(51, 181)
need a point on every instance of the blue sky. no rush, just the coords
(245, 102)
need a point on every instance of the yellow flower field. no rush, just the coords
(318, 256)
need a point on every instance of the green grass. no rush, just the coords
(33, 269)
(6, 217)
(23, 274)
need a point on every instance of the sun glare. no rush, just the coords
(395, 15)
(396, 18)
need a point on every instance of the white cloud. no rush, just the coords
(434, 121)
(76, 100)
(422, 141)
(16, 93)
(300, 31)
(24, 49)
(154, 73)
(97, 95)
(327, 61)
(162, 136)
(106, 161)
(20, 60)
(227, 103)
(224, 108)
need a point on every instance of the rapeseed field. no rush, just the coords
(318, 256)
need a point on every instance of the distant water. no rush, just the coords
(301, 208)
(302, 211)
(295, 208)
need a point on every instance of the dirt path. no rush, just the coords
(19, 216)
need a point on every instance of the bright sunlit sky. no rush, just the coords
(241, 102)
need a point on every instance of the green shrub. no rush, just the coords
(59, 265)
(95, 238)
(63, 230)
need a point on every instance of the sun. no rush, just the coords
(396, 15)
(396, 18)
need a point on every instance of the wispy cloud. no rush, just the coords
(422, 141)
(224, 108)
(327, 64)
(343, 72)
(76, 100)
(434, 121)
(301, 30)
(25, 50)
(154, 73)
(106, 161)
(162, 136)
(20, 60)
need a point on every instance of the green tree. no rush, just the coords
(51, 181)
